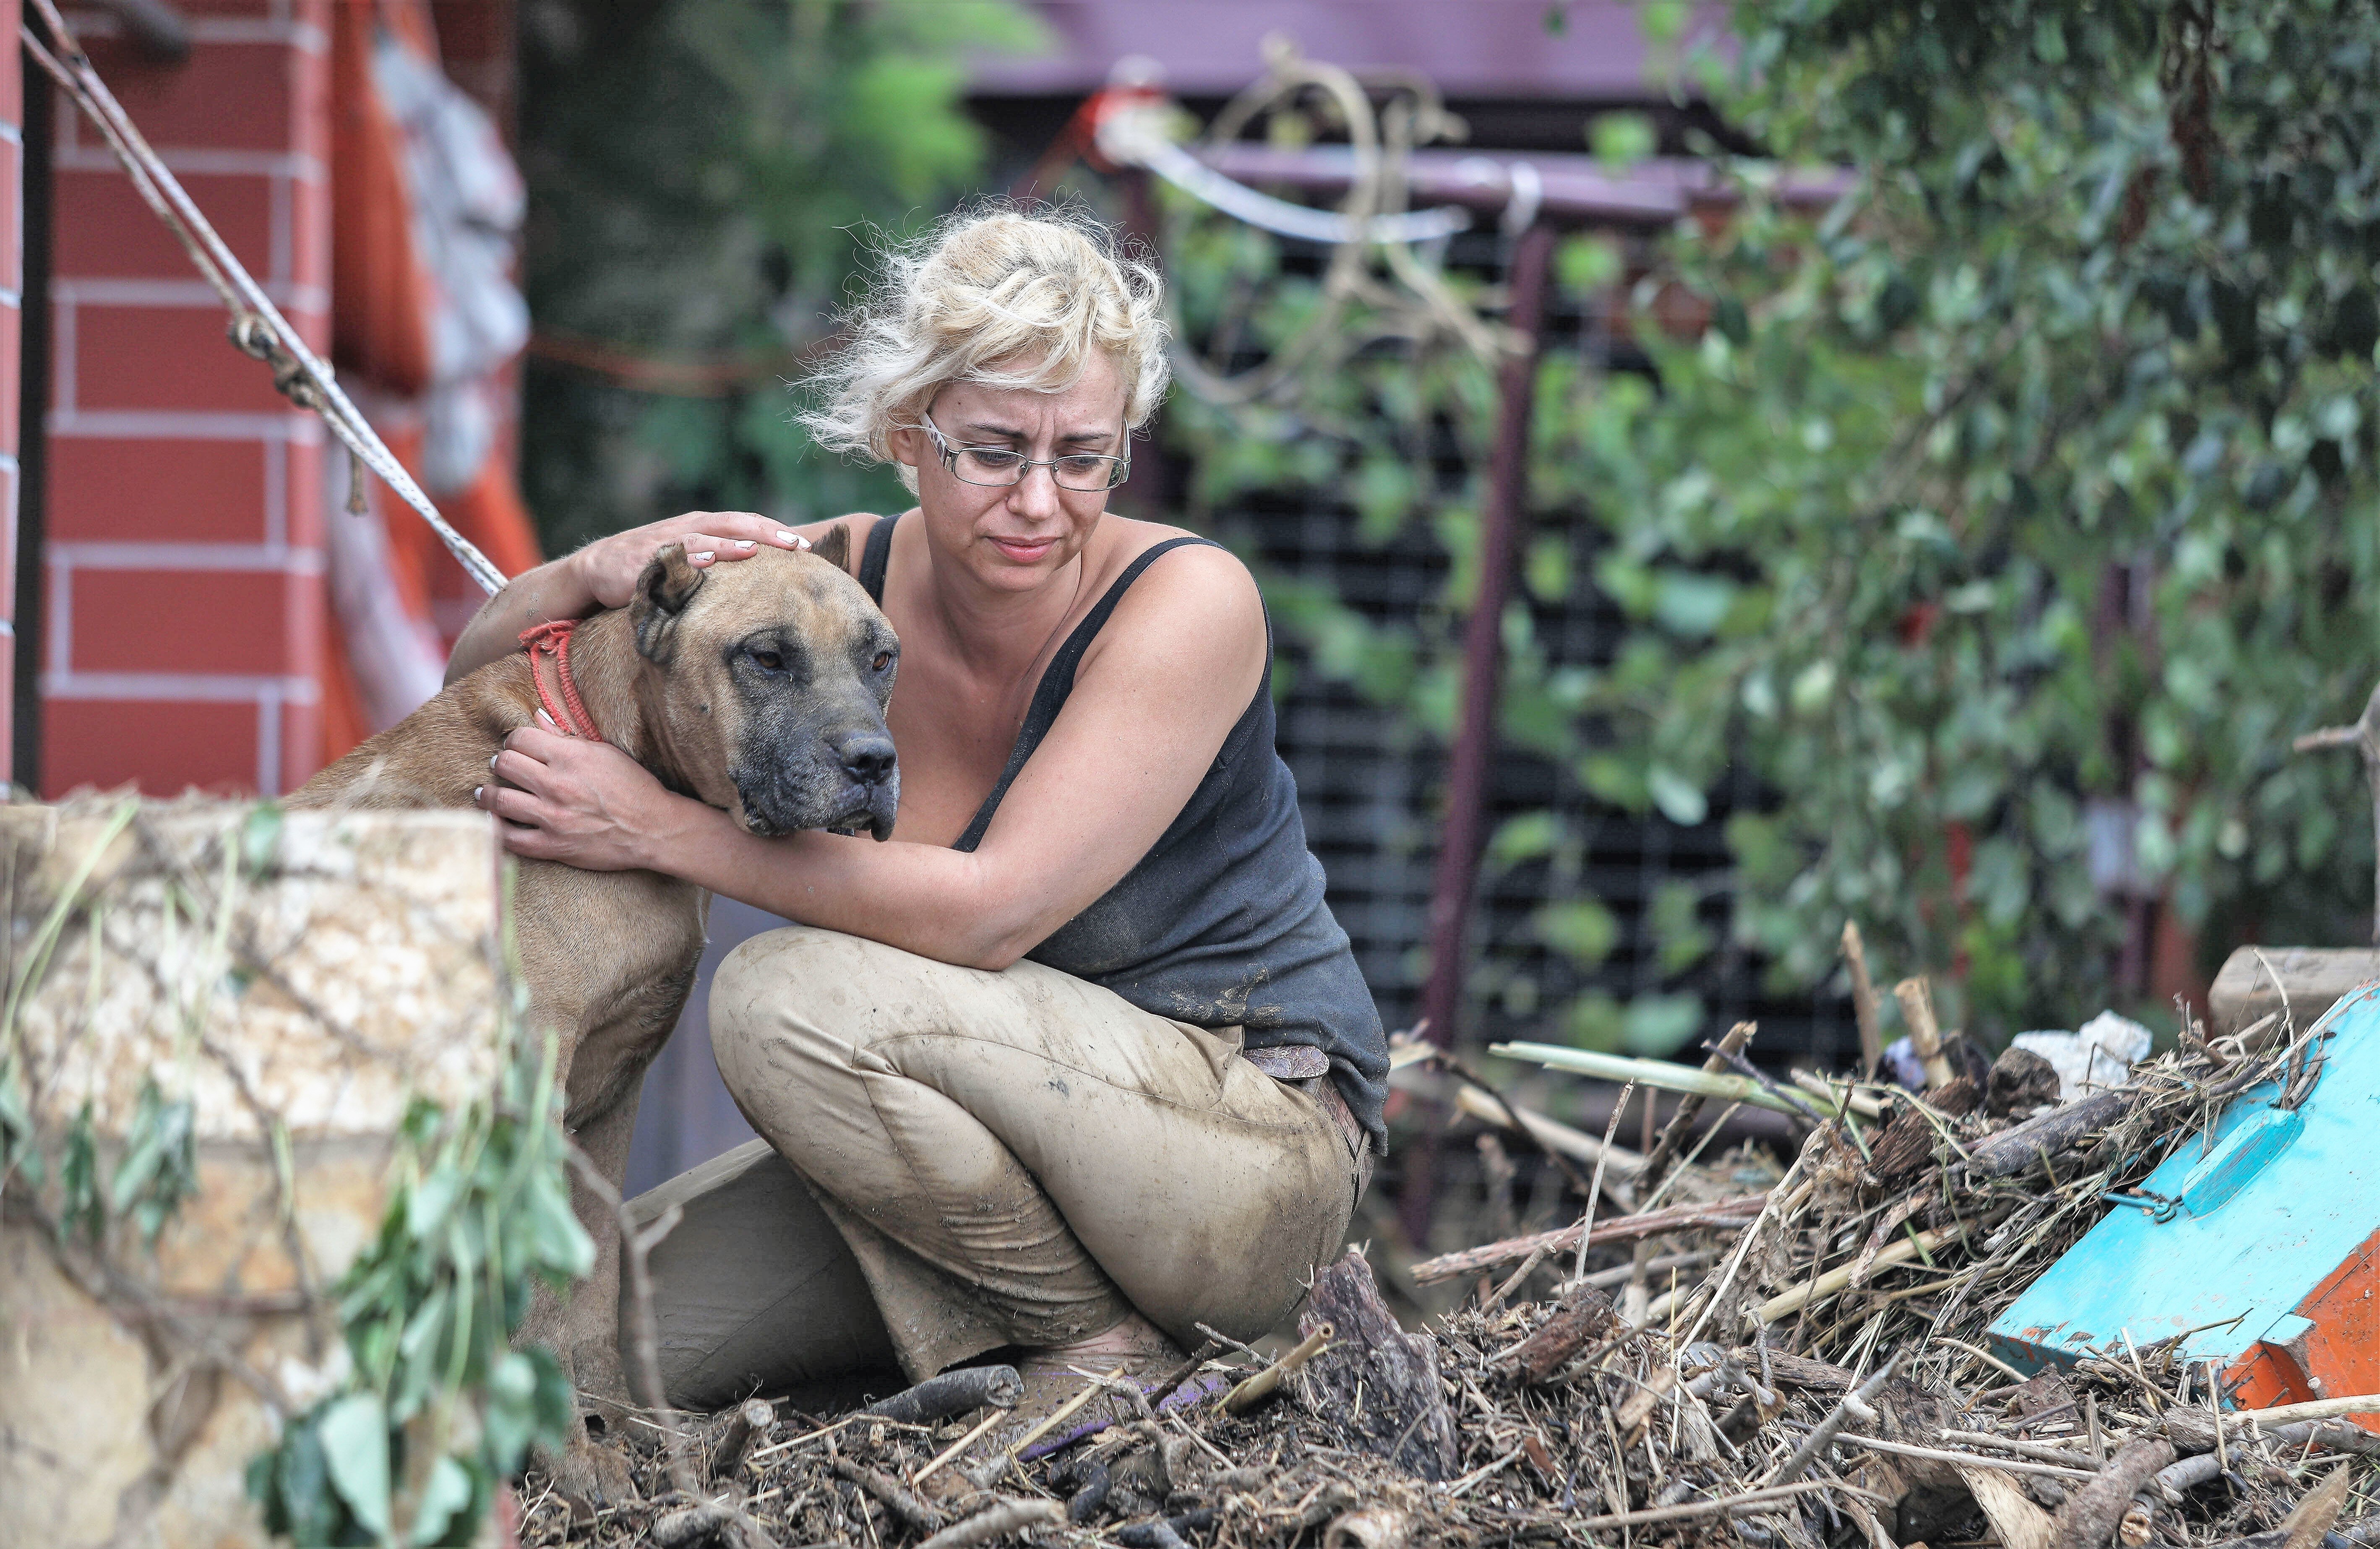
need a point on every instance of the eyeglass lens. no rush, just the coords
(998, 465)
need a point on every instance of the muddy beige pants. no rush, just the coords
(975, 1160)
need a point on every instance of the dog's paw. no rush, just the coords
(595, 1474)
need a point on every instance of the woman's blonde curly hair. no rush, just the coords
(997, 296)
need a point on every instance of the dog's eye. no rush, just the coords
(769, 662)
(883, 659)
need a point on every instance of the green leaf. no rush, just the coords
(354, 1433)
(1659, 1026)
(1619, 141)
(448, 1491)
(1681, 801)
(260, 837)
(1586, 265)
(1529, 836)
(1581, 929)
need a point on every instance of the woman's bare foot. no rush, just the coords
(1134, 1340)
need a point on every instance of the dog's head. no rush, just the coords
(767, 682)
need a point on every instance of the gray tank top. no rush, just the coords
(1223, 923)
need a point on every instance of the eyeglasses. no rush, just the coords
(1000, 467)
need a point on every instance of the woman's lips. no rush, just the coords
(1024, 551)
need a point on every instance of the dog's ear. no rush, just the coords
(835, 547)
(663, 592)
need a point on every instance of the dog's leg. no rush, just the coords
(582, 1325)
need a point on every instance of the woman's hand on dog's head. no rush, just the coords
(608, 567)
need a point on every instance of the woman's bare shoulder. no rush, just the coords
(1195, 592)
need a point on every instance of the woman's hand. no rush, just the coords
(603, 574)
(608, 567)
(583, 804)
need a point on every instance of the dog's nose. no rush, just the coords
(867, 756)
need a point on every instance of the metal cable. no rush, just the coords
(257, 327)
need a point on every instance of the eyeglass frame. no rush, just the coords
(949, 454)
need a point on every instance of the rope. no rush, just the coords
(552, 639)
(1136, 138)
(1420, 306)
(257, 326)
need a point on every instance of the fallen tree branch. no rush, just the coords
(952, 1393)
(998, 1521)
(2090, 1516)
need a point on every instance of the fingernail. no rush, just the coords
(546, 721)
(703, 558)
(491, 761)
(474, 793)
(796, 540)
(745, 543)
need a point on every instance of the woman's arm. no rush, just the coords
(1153, 700)
(603, 574)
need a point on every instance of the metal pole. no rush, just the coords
(1469, 767)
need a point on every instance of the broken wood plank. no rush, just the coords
(1401, 1413)
(2310, 979)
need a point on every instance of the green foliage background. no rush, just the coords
(2022, 497)
(2036, 477)
(703, 175)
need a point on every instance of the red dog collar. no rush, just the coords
(569, 712)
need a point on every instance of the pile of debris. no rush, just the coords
(1827, 1380)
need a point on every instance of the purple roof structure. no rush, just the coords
(1471, 48)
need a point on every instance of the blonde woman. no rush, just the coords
(1079, 1060)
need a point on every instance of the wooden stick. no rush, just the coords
(1673, 1135)
(643, 1353)
(2016, 1148)
(2316, 1408)
(1586, 1222)
(952, 1393)
(1898, 1250)
(2047, 1454)
(1255, 1389)
(1661, 1073)
(1925, 1034)
(2093, 1510)
(921, 1517)
(1063, 1413)
(1865, 1008)
(1939, 1455)
(1625, 1229)
(1822, 1436)
(1557, 1138)
(959, 1445)
(999, 1521)
(2364, 736)
(1723, 1505)
(748, 1420)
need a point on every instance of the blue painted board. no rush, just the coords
(2235, 1233)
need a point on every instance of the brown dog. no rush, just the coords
(759, 687)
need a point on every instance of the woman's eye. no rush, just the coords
(769, 662)
(993, 456)
(883, 659)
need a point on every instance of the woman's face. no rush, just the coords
(1013, 538)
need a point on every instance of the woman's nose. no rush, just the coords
(1036, 495)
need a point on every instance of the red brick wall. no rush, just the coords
(12, 283)
(186, 625)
